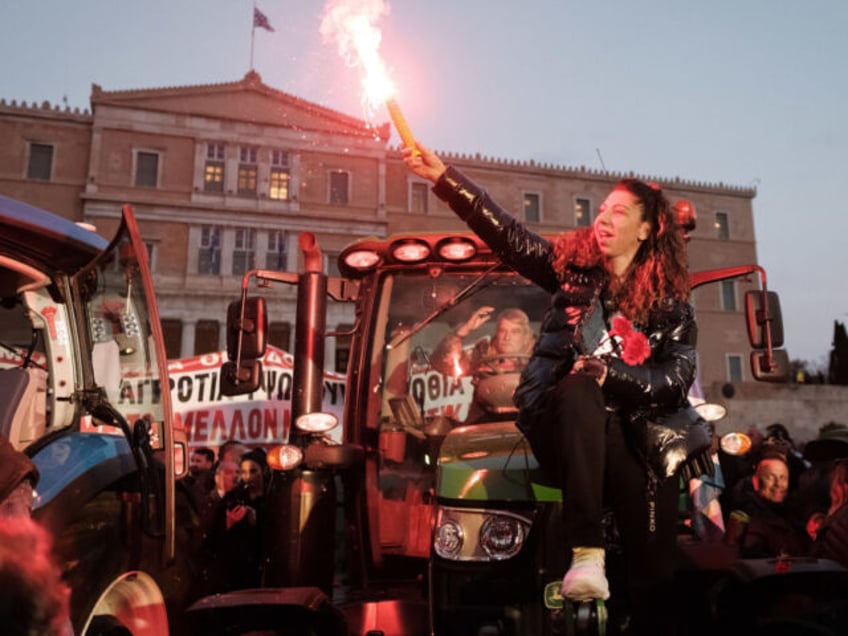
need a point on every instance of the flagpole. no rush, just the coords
(252, 32)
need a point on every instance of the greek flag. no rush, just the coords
(261, 20)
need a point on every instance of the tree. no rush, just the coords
(838, 370)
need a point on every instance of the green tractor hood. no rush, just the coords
(490, 462)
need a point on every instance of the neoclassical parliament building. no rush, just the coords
(222, 178)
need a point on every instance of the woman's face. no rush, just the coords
(251, 475)
(619, 229)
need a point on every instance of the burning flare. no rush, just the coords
(457, 367)
(352, 24)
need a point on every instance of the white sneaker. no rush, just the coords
(585, 579)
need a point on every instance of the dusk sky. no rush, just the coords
(743, 92)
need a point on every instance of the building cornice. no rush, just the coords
(45, 111)
(480, 162)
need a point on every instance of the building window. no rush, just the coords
(582, 212)
(243, 251)
(728, 295)
(279, 335)
(331, 263)
(206, 337)
(172, 333)
(213, 171)
(209, 252)
(146, 169)
(247, 171)
(279, 189)
(419, 198)
(734, 368)
(40, 164)
(151, 255)
(275, 253)
(339, 187)
(722, 226)
(342, 348)
(280, 176)
(532, 207)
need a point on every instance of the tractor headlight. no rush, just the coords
(501, 537)
(466, 534)
(448, 539)
(317, 422)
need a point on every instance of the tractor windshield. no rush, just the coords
(455, 346)
(123, 353)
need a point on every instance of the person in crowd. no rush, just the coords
(207, 572)
(595, 377)
(233, 545)
(231, 450)
(778, 433)
(201, 463)
(200, 480)
(34, 599)
(502, 355)
(832, 537)
(814, 525)
(226, 476)
(830, 445)
(18, 479)
(761, 524)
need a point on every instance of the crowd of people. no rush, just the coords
(227, 496)
(780, 501)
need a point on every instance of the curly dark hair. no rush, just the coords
(658, 271)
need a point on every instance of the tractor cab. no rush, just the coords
(86, 396)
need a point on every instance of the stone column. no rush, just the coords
(187, 343)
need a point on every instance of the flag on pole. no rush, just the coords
(261, 20)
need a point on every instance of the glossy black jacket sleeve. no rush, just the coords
(663, 381)
(524, 251)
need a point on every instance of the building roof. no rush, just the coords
(258, 104)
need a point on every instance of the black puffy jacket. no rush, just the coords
(649, 391)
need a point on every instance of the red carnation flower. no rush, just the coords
(635, 348)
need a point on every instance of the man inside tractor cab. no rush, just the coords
(494, 363)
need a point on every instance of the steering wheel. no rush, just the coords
(496, 379)
(501, 363)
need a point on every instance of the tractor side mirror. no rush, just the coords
(755, 316)
(770, 369)
(240, 379)
(251, 329)
(247, 326)
(765, 334)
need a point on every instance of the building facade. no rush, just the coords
(223, 177)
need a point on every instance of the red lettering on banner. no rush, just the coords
(218, 424)
(199, 424)
(238, 422)
(254, 423)
(286, 426)
(268, 426)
